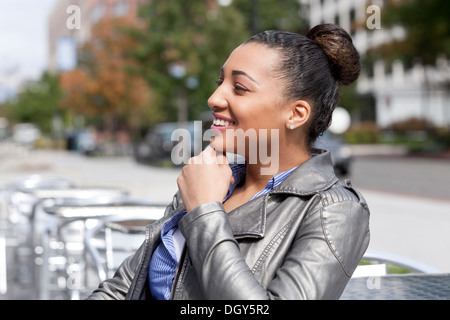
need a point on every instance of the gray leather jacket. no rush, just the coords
(302, 240)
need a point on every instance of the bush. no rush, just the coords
(420, 135)
(443, 137)
(412, 124)
(363, 133)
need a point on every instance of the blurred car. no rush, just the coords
(82, 141)
(158, 144)
(25, 134)
(341, 153)
(86, 143)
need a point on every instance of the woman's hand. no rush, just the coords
(205, 178)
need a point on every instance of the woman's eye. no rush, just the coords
(239, 88)
(235, 86)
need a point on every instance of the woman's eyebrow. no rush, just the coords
(239, 72)
(243, 73)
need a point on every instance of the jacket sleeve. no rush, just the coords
(327, 247)
(117, 287)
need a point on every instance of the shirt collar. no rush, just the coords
(239, 171)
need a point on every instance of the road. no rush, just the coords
(419, 177)
(409, 198)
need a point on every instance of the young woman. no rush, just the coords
(280, 229)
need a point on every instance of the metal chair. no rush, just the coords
(3, 245)
(40, 240)
(112, 239)
(24, 222)
(15, 211)
(63, 266)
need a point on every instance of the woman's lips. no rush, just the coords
(221, 122)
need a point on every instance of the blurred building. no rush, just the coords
(398, 93)
(70, 24)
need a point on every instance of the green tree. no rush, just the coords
(263, 15)
(101, 87)
(37, 103)
(427, 28)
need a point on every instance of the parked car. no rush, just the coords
(82, 141)
(341, 153)
(26, 134)
(158, 144)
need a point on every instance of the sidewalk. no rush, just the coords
(142, 181)
(412, 227)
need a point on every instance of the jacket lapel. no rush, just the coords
(249, 220)
(313, 176)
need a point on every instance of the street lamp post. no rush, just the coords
(178, 71)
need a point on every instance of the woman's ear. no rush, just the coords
(299, 114)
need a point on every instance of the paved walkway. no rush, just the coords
(151, 183)
(413, 227)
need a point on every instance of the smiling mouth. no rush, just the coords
(222, 123)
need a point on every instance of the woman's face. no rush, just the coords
(248, 97)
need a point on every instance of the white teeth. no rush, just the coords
(221, 122)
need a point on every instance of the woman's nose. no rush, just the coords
(217, 100)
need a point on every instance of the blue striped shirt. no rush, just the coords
(164, 262)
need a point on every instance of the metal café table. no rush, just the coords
(416, 286)
(61, 214)
(41, 222)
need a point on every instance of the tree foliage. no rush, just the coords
(263, 15)
(102, 84)
(427, 30)
(37, 103)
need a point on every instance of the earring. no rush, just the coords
(291, 127)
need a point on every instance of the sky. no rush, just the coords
(23, 41)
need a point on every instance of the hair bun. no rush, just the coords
(338, 46)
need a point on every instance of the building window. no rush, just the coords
(121, 8)
(98, 12)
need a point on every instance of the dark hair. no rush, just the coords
(313, 67)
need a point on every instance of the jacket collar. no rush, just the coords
(312, 176)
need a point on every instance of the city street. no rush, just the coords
(409, 198)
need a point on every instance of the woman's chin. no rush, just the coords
(217, 144)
